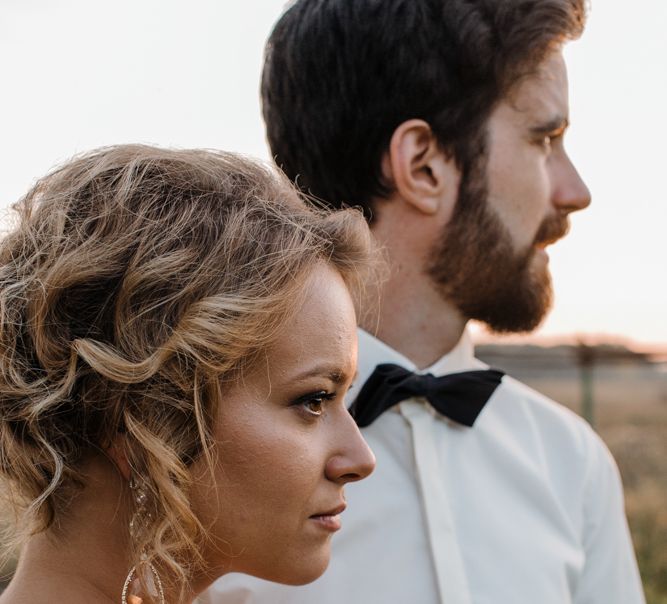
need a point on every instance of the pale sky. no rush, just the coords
(77, 74)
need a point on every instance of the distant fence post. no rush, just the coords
(585, 361)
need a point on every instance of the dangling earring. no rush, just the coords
(151, 580)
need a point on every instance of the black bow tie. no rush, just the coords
(459, 396)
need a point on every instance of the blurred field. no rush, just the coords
(630, 414)
(631, 417)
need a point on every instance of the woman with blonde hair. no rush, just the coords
(177, 336)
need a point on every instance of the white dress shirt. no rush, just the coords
(525, 507)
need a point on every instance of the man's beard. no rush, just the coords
(476, 267)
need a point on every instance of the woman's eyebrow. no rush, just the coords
(333, 374)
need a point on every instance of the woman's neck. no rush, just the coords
(85, 558)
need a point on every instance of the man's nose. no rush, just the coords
(569, 191)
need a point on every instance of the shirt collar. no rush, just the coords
(373, 352)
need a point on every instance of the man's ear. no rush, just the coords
(419, 169)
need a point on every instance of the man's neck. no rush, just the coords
(413, 318)
(407, 311)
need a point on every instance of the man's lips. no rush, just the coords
(545, 242)
(551, 231)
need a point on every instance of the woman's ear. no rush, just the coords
(421, 172)
(117, 452)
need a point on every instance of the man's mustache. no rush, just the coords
(552, 229)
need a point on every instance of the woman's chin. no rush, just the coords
(305, 570)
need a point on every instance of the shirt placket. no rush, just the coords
(447, 559)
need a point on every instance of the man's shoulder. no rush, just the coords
(541, 405)
(554, 429)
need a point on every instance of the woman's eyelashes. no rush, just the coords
(313, 404)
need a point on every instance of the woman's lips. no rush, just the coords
(329, 521)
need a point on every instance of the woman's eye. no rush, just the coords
(315, 406)
(314, 403)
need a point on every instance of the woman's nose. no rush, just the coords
(353, 459)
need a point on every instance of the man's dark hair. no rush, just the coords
(341, 75)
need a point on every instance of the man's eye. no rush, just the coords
(545, 142)
(550, 139)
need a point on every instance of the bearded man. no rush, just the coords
(445, 121)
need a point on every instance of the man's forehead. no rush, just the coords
(544, 91)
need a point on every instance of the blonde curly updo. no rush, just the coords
(138, 283)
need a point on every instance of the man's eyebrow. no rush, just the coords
(556, 124)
